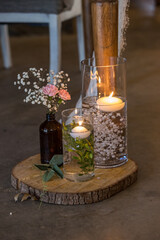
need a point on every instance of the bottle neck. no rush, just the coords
(50, 116)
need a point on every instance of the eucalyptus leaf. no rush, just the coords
(56, 160)
(57, 170)
(42, 167)
(48, 175)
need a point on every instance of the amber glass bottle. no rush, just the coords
(50, 138)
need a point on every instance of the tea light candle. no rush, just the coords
(80, 132)
(110, 104)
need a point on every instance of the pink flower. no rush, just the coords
(50, 90)
(64, 94)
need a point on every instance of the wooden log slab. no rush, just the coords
(106, 183)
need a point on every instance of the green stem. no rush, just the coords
(89, 144)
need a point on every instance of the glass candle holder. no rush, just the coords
(104, 97)
(78, 149)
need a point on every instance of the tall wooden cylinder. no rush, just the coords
(105, 30)
(105, 38)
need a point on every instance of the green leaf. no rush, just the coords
(65, 128)
(76, 158)
(48, 175)
(50, 98)
(70, 150)
(87, 147)
(56, 160)
(42, 167)
(57, 170)
(60, 101)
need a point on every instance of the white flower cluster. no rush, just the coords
(34, 80)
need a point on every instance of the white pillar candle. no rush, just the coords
(80, 132)
(110, 104)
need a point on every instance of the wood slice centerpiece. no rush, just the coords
(106, 183)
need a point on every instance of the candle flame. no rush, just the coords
(99, 80)
(80, 123)
(110, 96)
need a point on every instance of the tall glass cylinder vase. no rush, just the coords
(78, 157)
(104, 97)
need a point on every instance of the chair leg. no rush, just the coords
(6, 53)
(80, 35)
(55, 42)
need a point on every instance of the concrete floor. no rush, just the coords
(131, 214)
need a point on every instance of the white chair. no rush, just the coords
(52, 12)
(6, 53)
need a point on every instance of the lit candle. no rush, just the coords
(80, 132)
(110, 104)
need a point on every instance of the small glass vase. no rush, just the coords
(78, 153)
(104, 97)
(50, 138)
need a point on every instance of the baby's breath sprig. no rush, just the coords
(41, 87)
